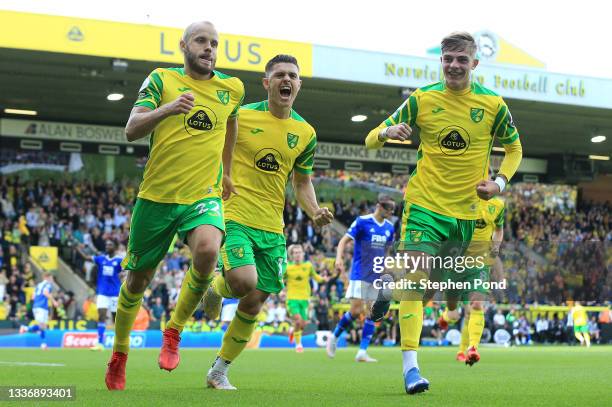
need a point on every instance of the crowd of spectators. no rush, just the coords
(556, 249)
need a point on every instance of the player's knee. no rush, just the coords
(241, 288)
(137, 282)
(205, 254)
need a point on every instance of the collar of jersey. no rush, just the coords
(460, 92)
(267, 109)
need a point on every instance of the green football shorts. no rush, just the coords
(265, 250)
(298, 307)
(426, 231)
(155, 224)
(581, 328)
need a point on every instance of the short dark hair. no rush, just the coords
(459, 41)
(280, 58)
(382, 197)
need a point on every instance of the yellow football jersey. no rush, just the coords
(184, 163)
(267, 150)
(491, 217)
(298, 280)
(579, 315)
(457, 130)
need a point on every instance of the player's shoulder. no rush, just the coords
(304, 127)
(388, 222)
(431, 88)
(482, 90)
(229, 81)
(164, 73)
(298, 118)
(254, 107)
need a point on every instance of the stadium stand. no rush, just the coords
(555, 251)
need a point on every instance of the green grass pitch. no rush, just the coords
(525, 376)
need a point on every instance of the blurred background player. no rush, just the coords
(298, 275)
(254, 254)
(108, 283)
(581, 328)
(486, 241)
(440, 204)
(40, 308)
(228, 311)
(192, 113)
(372, 235)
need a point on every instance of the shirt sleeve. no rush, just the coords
(315, 275)
(499, 220)
(503, 126)
(305, 161)
(353, 230)
(406, 113)
(235, 112)
(150, 92)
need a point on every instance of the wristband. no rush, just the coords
(502, 184)
(383, 135)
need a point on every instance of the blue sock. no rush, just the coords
(42, 334)
(101, 329)
(343, 323)
(34, 328)
(366, 334)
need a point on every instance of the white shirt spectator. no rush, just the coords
(499, 319)
(541, 325)
(32, 218)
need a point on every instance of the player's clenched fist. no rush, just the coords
(322, 217)
(399, 132)
(181, 105)
(487, 190)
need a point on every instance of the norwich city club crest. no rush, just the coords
(416, 235)
(238, 252)
(491, 209)
(476, 114)
(223, 96)
(292, 140)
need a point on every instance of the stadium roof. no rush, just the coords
(62, 84)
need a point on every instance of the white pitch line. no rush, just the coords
(32, 364)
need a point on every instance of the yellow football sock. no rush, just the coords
(297, 335)
(578, 336)
(465, 337)
(222, 288)
(587, 338)
(411, 323)
(192, 290)
(475, 326)
(237, 335)
(128, 305)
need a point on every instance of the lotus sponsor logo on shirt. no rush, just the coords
(200, 119)
(268, 160)
(453, 140)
